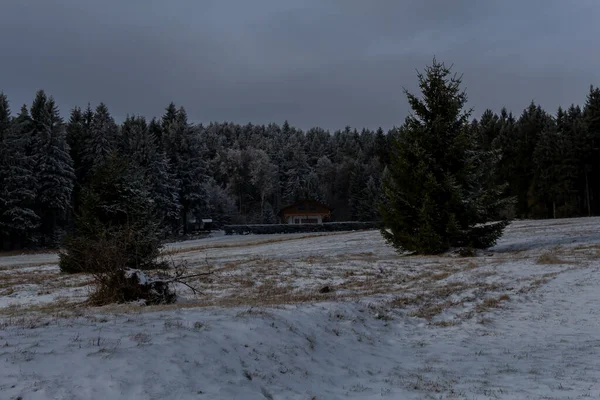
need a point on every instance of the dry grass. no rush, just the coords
(20, 265)
(549, 258)
(492, 302)
(470, 266)
(424, 286)
(430, 310)
(537, 282)
(444, 324)
(404, 301)
(440, 276)
(26, 252)
(248, 244)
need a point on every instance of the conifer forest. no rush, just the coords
(548, 162)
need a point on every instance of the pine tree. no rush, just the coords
(186, 153)
(102, 139)
(356, 196)
(489, 128)
(220, 205)
(18, 220)
(76, 139)
(5, 118)
(326, 171)
(262, 177)
(53, 168)
(295, 171)
(116, 204)
(365, 194)
(530, 125)
(552, 180)
(591, 115)
(381, 146)
(140, 145)
(578, 158)
(437, 193)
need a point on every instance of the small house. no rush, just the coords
(305, 212)
(195, 224)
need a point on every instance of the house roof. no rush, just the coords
(298, 203)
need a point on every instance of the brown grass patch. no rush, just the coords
(536, 283)
(61, 306)
(453, 288)
(444, 324)
(430, 310)
(549, 258)
(470, 265)
(440, 276)
(26, 252)
(248, 244)
(17, 266)
(492, 302)
(401, 302)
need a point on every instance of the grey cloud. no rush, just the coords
(329, 63)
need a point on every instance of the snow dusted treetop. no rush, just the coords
(102, 139)
(54, 166)
(17, 182)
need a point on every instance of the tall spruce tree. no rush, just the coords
(18, 220)
(102, 139)
(532, 122)
(140, 145)
(437, 192)
(591, 115)
(185, 152)
(53, 169)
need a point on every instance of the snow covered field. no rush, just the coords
(329, 316)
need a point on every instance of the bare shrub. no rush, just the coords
(115, 283)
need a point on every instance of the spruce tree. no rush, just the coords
(532, 122)
(101, 140)
(591, 116)
(18, 220)
(295, 170)
(552, 179)
(186, 153)
(357, 198)
(437, 192)
(578, 137)
(53, 168)
(76, 138)
(140, 145)
(116, 204)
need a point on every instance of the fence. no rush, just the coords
(299, 228)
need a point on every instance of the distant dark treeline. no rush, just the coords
(243, 174)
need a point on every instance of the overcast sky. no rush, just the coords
(327, 63)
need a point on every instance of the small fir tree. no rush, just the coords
(115, 204)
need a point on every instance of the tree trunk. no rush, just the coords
(184, 219)
(262, 206)
(587, 193)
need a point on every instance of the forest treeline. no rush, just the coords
(245, 173)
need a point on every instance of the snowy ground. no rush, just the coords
(518, 321)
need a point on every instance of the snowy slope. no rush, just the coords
(546, 345)
(541, 342)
